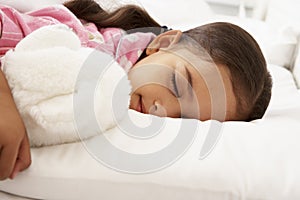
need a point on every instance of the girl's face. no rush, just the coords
(166, 85)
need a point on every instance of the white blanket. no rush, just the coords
(46, 72)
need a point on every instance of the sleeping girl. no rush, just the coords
(214, 71)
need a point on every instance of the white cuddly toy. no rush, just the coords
(52, 78)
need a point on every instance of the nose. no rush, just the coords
(158, 109)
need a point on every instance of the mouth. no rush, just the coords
(140, 106)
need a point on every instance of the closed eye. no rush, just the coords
(174, 85)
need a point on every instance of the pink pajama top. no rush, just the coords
(125, 48)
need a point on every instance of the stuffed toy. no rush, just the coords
(50, 74)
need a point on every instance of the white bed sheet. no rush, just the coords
(257, 160)
(7, 196)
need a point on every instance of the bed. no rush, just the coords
(247, 160)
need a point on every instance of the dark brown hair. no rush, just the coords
(232, 46)
(227, 44)
(126, 17)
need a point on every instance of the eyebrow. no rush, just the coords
(190, 80)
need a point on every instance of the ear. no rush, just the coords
(164, 40)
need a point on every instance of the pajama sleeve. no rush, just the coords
(16, 25)
(12, 30)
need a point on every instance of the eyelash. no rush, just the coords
(173, 83)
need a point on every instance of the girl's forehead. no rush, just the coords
(197, 59)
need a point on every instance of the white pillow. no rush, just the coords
(277, 46)
(296, 66)
(183, 15)
(257, 160)
(28, 5)
(283, 14)
(178, 14)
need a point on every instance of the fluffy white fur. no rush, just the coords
(42, 73)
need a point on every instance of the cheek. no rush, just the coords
(147, 75)
(134, 98)
(150, 91)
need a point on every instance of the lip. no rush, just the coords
(140, 106)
